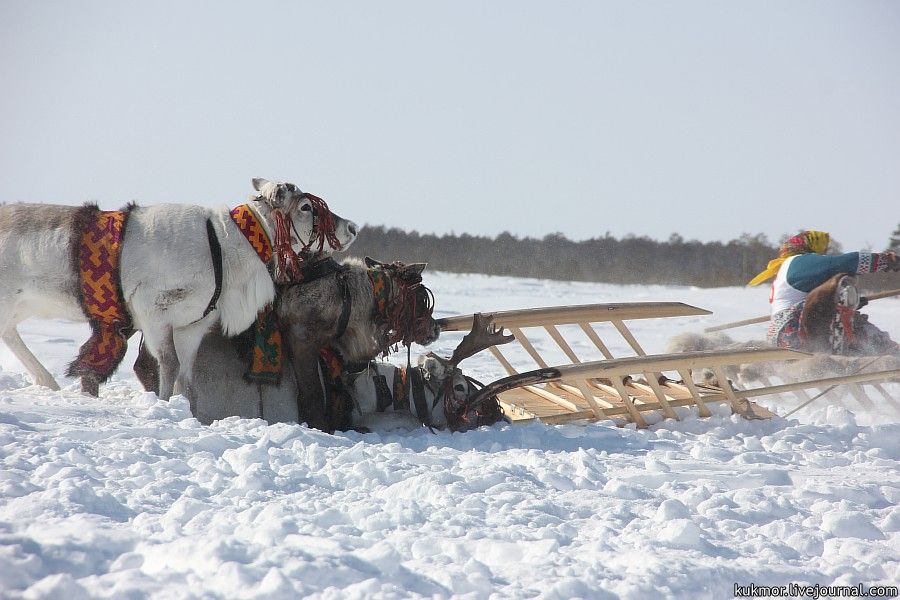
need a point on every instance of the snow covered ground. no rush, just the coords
(128, 497)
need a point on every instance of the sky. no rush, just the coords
(709, 119)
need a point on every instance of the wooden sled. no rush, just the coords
(637, 387)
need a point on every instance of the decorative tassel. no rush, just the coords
(324, 226)
(287, 267)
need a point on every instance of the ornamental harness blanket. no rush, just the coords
(96, 249)
(265, 365)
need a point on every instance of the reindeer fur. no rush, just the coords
(37, 276)
(818, 313)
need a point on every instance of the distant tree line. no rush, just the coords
(631, 259)
(608, 259)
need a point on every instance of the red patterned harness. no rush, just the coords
(246, 220)
(265, 366)
(98, 250)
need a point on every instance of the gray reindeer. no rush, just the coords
(359, 309)
(436, 391)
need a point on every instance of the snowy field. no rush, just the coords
(128, 497)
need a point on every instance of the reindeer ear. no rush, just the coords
(435, 367)
(371, 262)
(258, 183)
(414, 268)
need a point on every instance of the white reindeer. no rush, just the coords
(166, 270)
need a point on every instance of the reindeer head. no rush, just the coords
(453, 390)
(301, 220)
(405, 305)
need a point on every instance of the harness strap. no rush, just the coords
(319, 269)
(338, 404)
(249, 225)
(383, 396)
(267, 354)
(401, 397)
(215, 248)
(346, 302)
(417, 383)
(381, 290)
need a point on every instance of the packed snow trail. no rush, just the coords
(128, 496)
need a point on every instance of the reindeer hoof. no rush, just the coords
(90, 385)
(319, 424)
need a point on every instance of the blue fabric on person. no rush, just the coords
(808, 271)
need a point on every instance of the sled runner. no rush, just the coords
(633, 387)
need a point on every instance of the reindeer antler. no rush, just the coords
(484, 334)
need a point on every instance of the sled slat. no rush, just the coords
(592, 335)
(887, 397)
(629, 405)
(587, 395)
(608, 390)
(502, 360)
(677, 392)
(577, 392)
(526, 343)
(725, 326)
(582, 415)
(626, 333)
(860, 396)
(561, 342)
(726, 387)
(532, 402)
(654, 387)
(516, 413)
(554, 398)
(800, 393)
(695, 393)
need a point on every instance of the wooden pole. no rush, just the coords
(737, 324)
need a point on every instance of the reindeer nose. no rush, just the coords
(351, 227)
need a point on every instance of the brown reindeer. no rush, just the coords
(817, 316)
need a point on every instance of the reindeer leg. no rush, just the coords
(162, 346)
(311, 400)
(187, 342)
(38, 373)
(147, 369)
